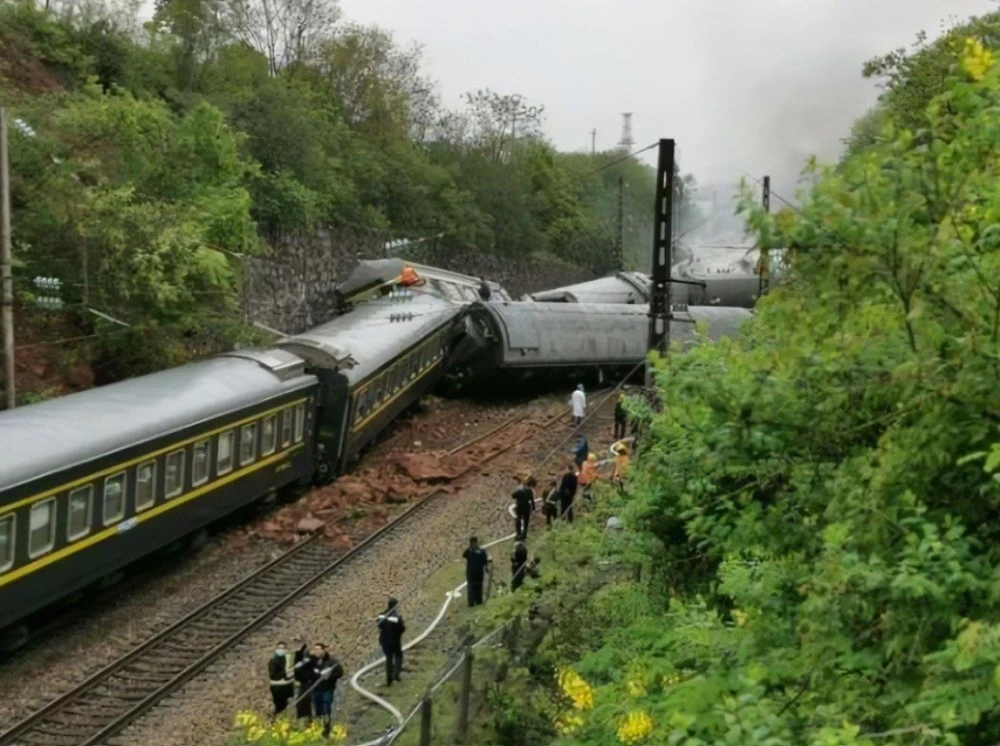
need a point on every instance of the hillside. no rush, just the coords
(178, 176)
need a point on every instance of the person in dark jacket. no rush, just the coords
(477, 564)
(567, 492)
(304, 666)
(280, 675)
(524, 506)
(621, 419)
(581, 451)
(518, 565)
(551, 505)
(328, 672)
(484, 289)
(390, 638)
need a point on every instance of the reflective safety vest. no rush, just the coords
(289, 672)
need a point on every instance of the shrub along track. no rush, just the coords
(122, 691)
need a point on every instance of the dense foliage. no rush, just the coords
(156, 156)
(814, 507)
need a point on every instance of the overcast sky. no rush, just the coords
(743, 87)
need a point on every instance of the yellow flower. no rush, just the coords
(567, 723)
(739, 617)
(635, 727)
(976, 59)
(636, 687)
(255, 733)
(247, 719)
(671, 678)
(338, 733)
(576, 689)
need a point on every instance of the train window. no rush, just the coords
(248, 443)
(173, 477)
(145, 486)
(300, 422)
(41, 527)
(286, 428)
(268, 436)
(224, 458)
(6, 542)
(114, 498)
(199, 462)
(81, 501)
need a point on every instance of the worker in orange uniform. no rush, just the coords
(588, 474)
(622, 460)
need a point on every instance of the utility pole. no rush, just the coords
(660, 312)
(6, 276)
(620, 243)
(764, 258)
(593, 141)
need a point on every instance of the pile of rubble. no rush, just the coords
(356, 504)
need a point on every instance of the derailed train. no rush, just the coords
(94, 481)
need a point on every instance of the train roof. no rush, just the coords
(623, 287)
(530, 325)
(43, 438)
(372, 333)
(372, 274)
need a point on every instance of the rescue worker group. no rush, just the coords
(307, 677)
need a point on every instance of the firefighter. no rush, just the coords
(524, 506)
(390, 638)
(622, 460)
(477, 564)
(588, 474)
(279, 671)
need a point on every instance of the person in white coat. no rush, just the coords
(578, 401)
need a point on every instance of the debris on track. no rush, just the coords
(406, 468)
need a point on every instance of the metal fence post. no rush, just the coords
(425, 720)
(463, 698)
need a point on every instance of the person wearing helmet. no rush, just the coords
(621, 463)
(588, 474)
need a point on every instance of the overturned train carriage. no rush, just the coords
(633, 288)
(539, 342)
(394, 353)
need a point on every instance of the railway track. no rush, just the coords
(121, 692)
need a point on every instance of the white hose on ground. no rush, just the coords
(388, 706)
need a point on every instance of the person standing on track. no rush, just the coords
(581, 451)
(567, 492)
(279, 671)
(578, 402)
(621, 419)
(390, 638)
(524, 506)
(477, 564)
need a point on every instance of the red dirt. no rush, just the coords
(356, 504)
